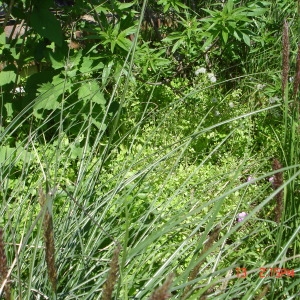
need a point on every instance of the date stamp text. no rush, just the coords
(266, 272)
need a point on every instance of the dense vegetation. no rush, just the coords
(149, 149)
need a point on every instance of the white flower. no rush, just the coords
(273, 100)
(212, 77)
(19, 90)
(231, 104)
(260, 86)
(201, 70)
(217, 113)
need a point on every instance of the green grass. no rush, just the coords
(146, 193)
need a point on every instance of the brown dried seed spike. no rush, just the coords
(162, 293)
(285, 58)
(49, 241)
(112, 277)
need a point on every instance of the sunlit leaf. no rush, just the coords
(246, 39)
(225, 35)
(106, 72)
(122, 6)
(91, 90)
(124, 43)
(7, 77)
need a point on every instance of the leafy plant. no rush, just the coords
(231, 22)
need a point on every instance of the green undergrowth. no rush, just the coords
(170, 176)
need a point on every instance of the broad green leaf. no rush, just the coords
(128, 31)
(241, 11)
(9, 109)
(100, 9)
(46, 24)
(122, 6)
(177, 45)
(76, 152)
(7, 77)
(71, 71)
(225, 35)
(50, 95)
(237, 35)
(246, 39)
(229, 6)
(85, 90)
(2, 38)
(112, 46)
(86, 65)
(256, 12)
(124, 43)
(5, 153)
(208, 42)
(50, 104)
(166, 7)
(232, 24)
(162, 62)
(99, 125)
(210, 12)
(75, 59)
(173, 37)
(106, 72)
(212, 26)
(180, 4)
(98, 98)
(57, 61)
(91, 90)
(48, 98)
(8, 154)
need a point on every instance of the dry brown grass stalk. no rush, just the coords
(278, 181)
(112, 277)
(4, 270)
(162, 292)
(285, 58)
(263, 293)
(194, 273)
(207, 293)
(49, 241)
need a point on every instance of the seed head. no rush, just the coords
(285, 58)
